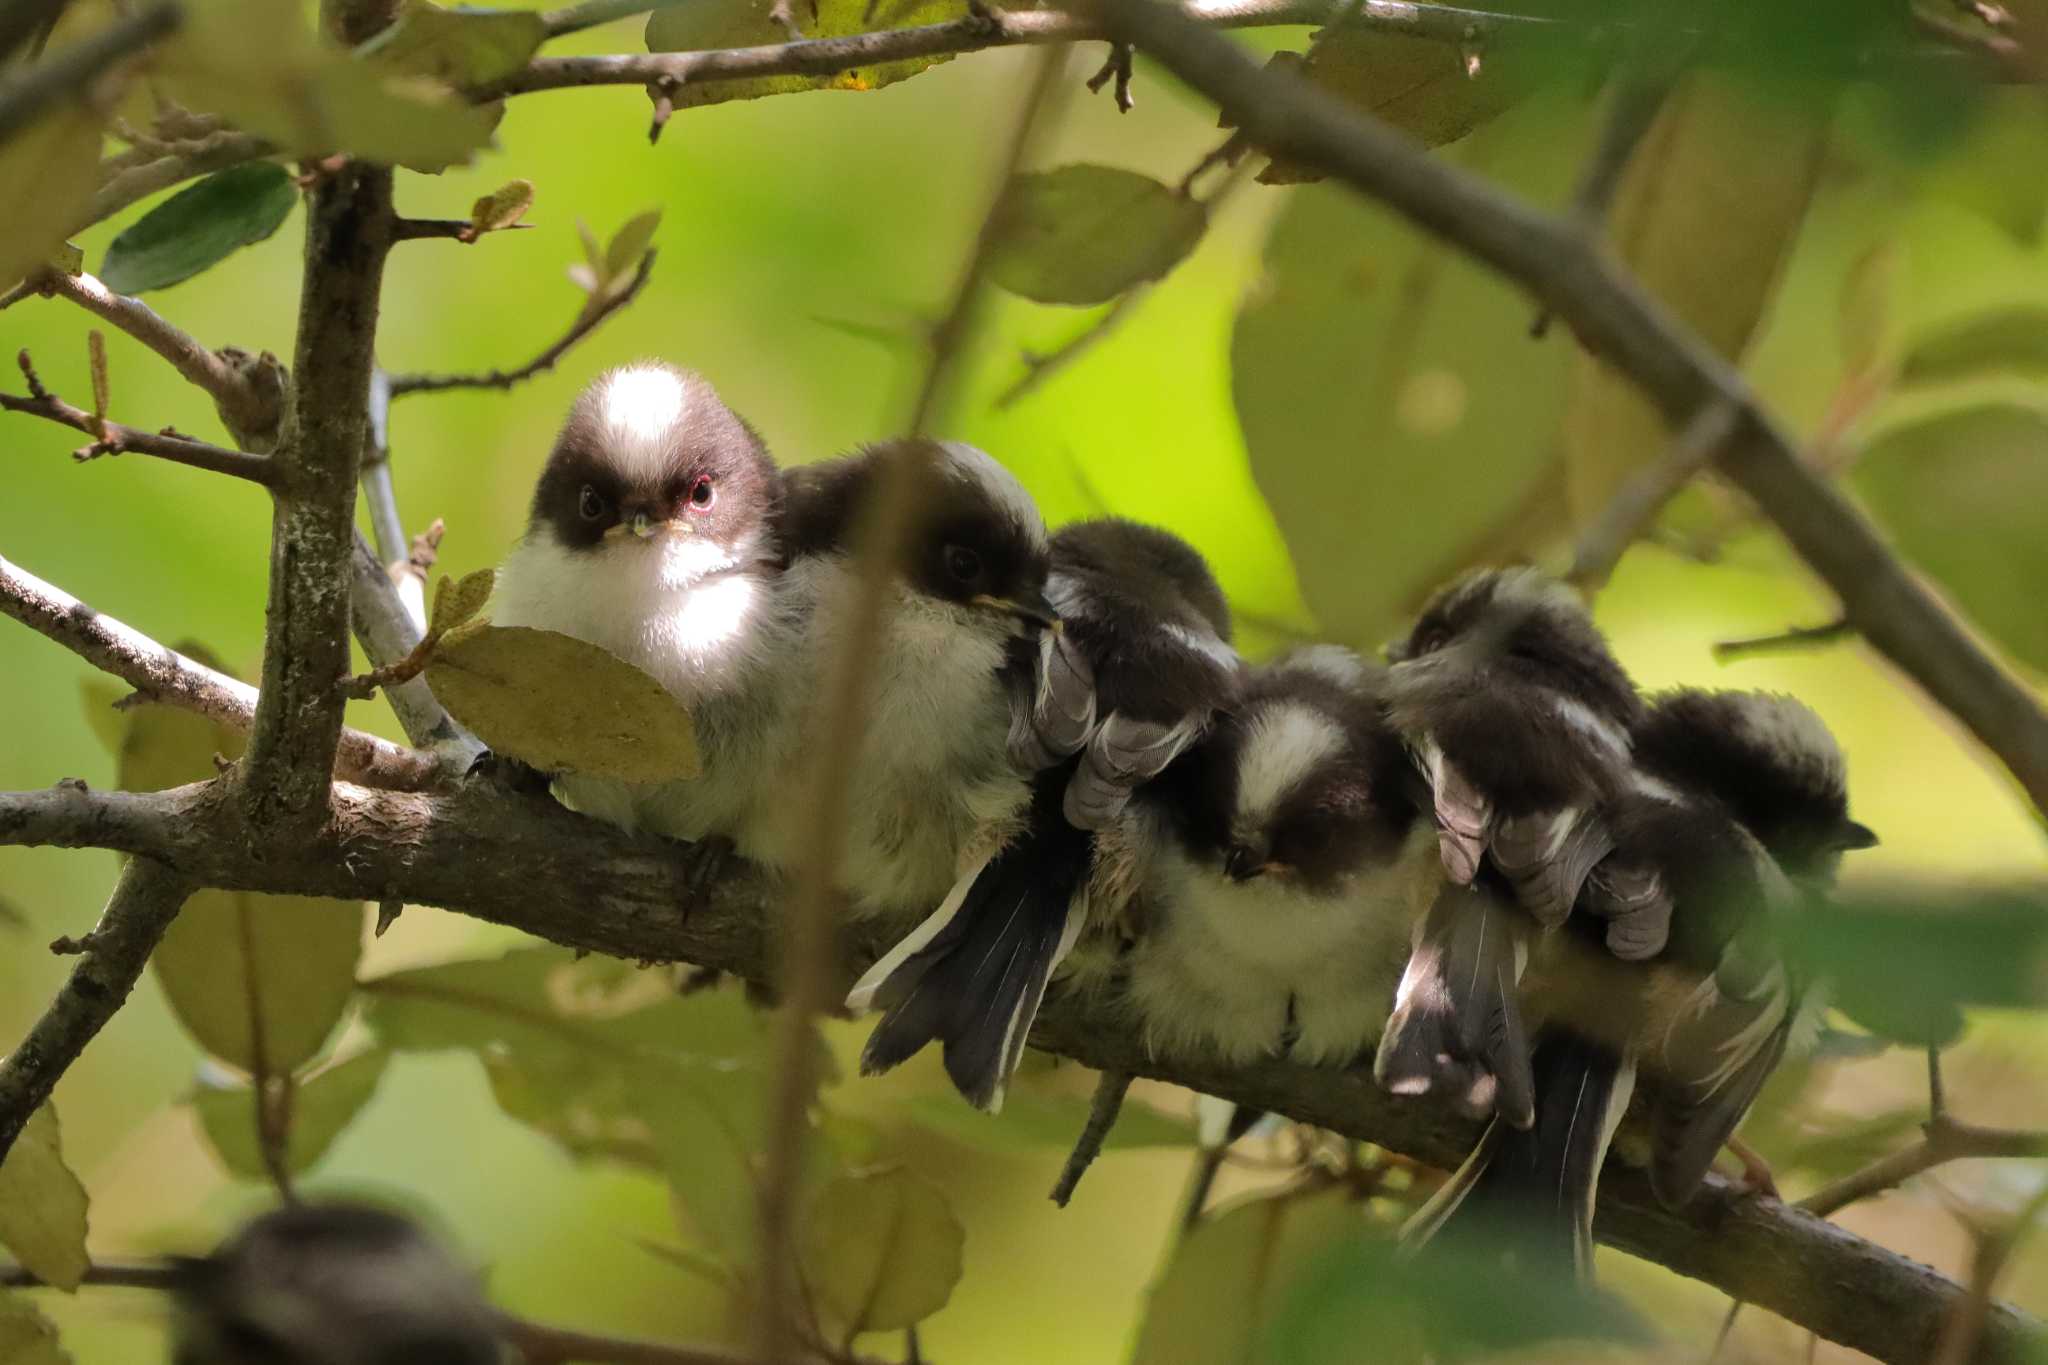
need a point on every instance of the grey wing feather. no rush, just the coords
(1123, 755)
(1548, 857)
(1464, 814)
(1632, 897)
(1056, 713)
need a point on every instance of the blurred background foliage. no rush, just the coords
(1335, 410)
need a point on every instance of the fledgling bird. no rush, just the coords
(652, 536)
(1742, 810)
(1144, 623)
(330, 1284)
(933, 778)
(1519, 718)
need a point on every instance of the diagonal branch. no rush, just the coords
(145, 901)
(529, 864)
(164, 675)
(112, 438)
(1622, 324)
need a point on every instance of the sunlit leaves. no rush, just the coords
(705, 24)
(1215, 1302)
(460, 47)
(1705, 218)
(198, 227)
(500, 209)
(47, 175)
(608, 270)
(42, 1205)
(880, 1250)
(458, 600)
(323, 1103)
(1962, 496)
(1401, 421)
(258, 65)
(562, 705)
(1084, 234)
(26, 1336)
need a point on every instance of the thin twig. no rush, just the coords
(1116, 67)
(144, 903)
(1041, 368)
(1943, 1140)
(1636, 504)
(1102, 1111)
(1622, 324)
(112, 438)
(1798, 637)
(1995, 1248)
(841, 720)
(589, 320)
(72, 71)
(163, 675)
(591, 13)
(124, 181)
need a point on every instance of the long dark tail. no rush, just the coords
(972, 976)
(1528, 1196)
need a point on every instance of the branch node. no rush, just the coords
(1118, 68)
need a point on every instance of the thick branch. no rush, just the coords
(144, 903)
(312, 536)
(529, 864)
(164, 675)
(1630, 330)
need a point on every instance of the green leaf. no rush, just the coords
(457, 600)
(460, 47)
(1033, 1120)
(323, 1104)
(199, 227)
(42, 1205)
(239, 968)
(1962, 496)
(26, 1336)
(48, 171)
(880, 1250)
(1698, 164)
(501, 208)
(1083, 234)
(1216, 1298)
(1401, 421)
(562, 705)
(628, 245)
(2008, 340)
(745, 23)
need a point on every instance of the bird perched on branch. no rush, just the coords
(1137, 672)
(652, 536)
(933, 777)
(1739, 803)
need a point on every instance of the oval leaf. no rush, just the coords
(458, 600)
(1084, 234)
(26, 1336)
(562, 705)
(322, 1105)
(502, 207)
(881, 1250)
(2010, 340)
(629, 244)
(48, 172)
(1962, 496)
(42, 1205)
(460, 47)
(198, 227)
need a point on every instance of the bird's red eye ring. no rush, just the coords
(590, 504)
(702, 493)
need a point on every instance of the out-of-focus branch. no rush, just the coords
(112, 438)
(1942, 1141)
(124, 181)
(589, 320)
(70, 73)
(298, 715)
(1636, 504)
(144, 903)
(247, 390)
(163, 675)
(1623, 325)
(1798, 637)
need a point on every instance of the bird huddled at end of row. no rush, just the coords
(1489, 870)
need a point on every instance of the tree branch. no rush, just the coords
(71, 72)
(247, 390)
(144, 903)
(298, 716)
(123, 182)
(1636, 504)
(1944, 1140)
(1622, 324)
(1798, 637)
(587, 321)
(112, 438)
(164, 675)
(528, 863)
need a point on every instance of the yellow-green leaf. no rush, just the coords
(562, 705)
(745, 23)
(456, 600)
(26, 1336)
(1706, 214)
(99, 695)
(2009, 340)
(881, 1250)
(1083, 234)
(323, 1104)
(459, 47)
(48, 172)
(502, 207)
(628, 245)
(42, 1205)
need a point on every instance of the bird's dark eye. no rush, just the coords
(702, 494)
(962, 563)
(591, 504)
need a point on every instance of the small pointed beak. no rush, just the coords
(644, 526)
(1034, 611)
